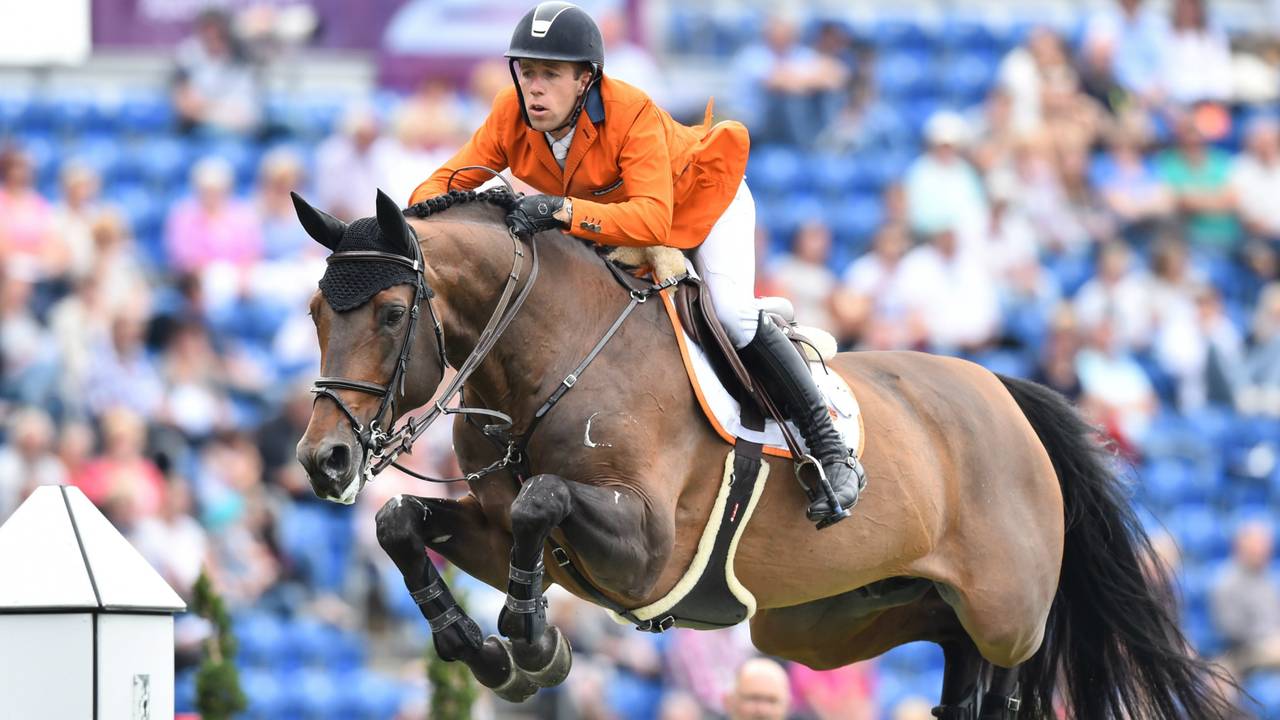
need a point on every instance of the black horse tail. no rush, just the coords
(1112, 634)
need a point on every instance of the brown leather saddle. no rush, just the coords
(702, 325)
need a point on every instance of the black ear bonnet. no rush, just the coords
(348, 285)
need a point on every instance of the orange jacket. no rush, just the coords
(636, 176)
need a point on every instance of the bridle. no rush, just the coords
(381, 447)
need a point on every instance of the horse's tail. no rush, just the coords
(1112, 633)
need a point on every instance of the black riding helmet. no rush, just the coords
(557, 31)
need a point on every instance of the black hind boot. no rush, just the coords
(784, 376)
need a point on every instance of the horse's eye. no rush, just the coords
(394, 315)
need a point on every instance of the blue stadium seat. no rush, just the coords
(968, 35)
(263, 639)
(775, 170)
(163, 163)
(366, 695)
(967, 78)
(1264, 687)
(71, 114)
(912, 658)
(266, 696)
(1167, 482)
(902, 34)
(1007, 362)
(145, 114)
(833, 175)
(1199, 532)
(313, 694)
(855, 219)
(184, 691)
(902, 75)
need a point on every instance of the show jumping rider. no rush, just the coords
(618, 170)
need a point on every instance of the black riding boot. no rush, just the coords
(785, 378)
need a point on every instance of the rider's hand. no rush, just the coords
(535, 213)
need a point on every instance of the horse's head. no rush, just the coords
(372, 299)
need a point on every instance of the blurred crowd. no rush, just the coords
(1105, 221)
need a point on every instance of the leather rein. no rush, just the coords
(382, 448)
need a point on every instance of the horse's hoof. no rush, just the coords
(558, 668)
(517, 687)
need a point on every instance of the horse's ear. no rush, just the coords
(320, 225)
(393, 225)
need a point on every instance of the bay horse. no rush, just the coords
(992, 524)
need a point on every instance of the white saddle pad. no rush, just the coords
(725, 414)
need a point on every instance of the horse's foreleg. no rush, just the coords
(405, 526)
(542, 504)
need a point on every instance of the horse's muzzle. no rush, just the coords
(333, 468)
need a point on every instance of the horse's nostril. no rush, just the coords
(337, 460)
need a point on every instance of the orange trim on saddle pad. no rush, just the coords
(724, 434)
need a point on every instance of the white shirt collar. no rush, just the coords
(560, 148)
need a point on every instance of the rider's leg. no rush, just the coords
(726, 263)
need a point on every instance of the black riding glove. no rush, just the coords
(535, 213)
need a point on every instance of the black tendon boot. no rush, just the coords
(784, 376)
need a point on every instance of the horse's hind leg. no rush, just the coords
(406, 525)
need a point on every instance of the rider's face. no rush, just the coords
(551, 90)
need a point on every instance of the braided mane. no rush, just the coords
(499, 197)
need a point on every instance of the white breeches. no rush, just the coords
(726, 262)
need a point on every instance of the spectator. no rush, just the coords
(29, 242)
(679, 706)
(702, 664)
(425, 136)
(75, 217)
(787, 92)
(1057, 362)
(193, 375)
(123, 476)
(1138, 37)
(943, 191)
(1025, 71)
(1260, 389)
(994, 137)
(633, 63)
(212, 227)
(1115, 391)
(803, 277)
(1200, 178)
(117, 267)
(760, 692)
(28, 460)
(1097, 70)
(1202, 350)
(172, 541)
(1245, 602)
(283, 237)
(1130, 190)
(1036, 190)
(1118, 295)
(864, 307)
(913, 708)
(949, 295)
(1196, 61)
(348, 165)
(28, 358)
(845, 693)
(122, 373)
(215, 87)
(1255, 179)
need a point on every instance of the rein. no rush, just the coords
(383, 449)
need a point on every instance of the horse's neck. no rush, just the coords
(550, 330)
